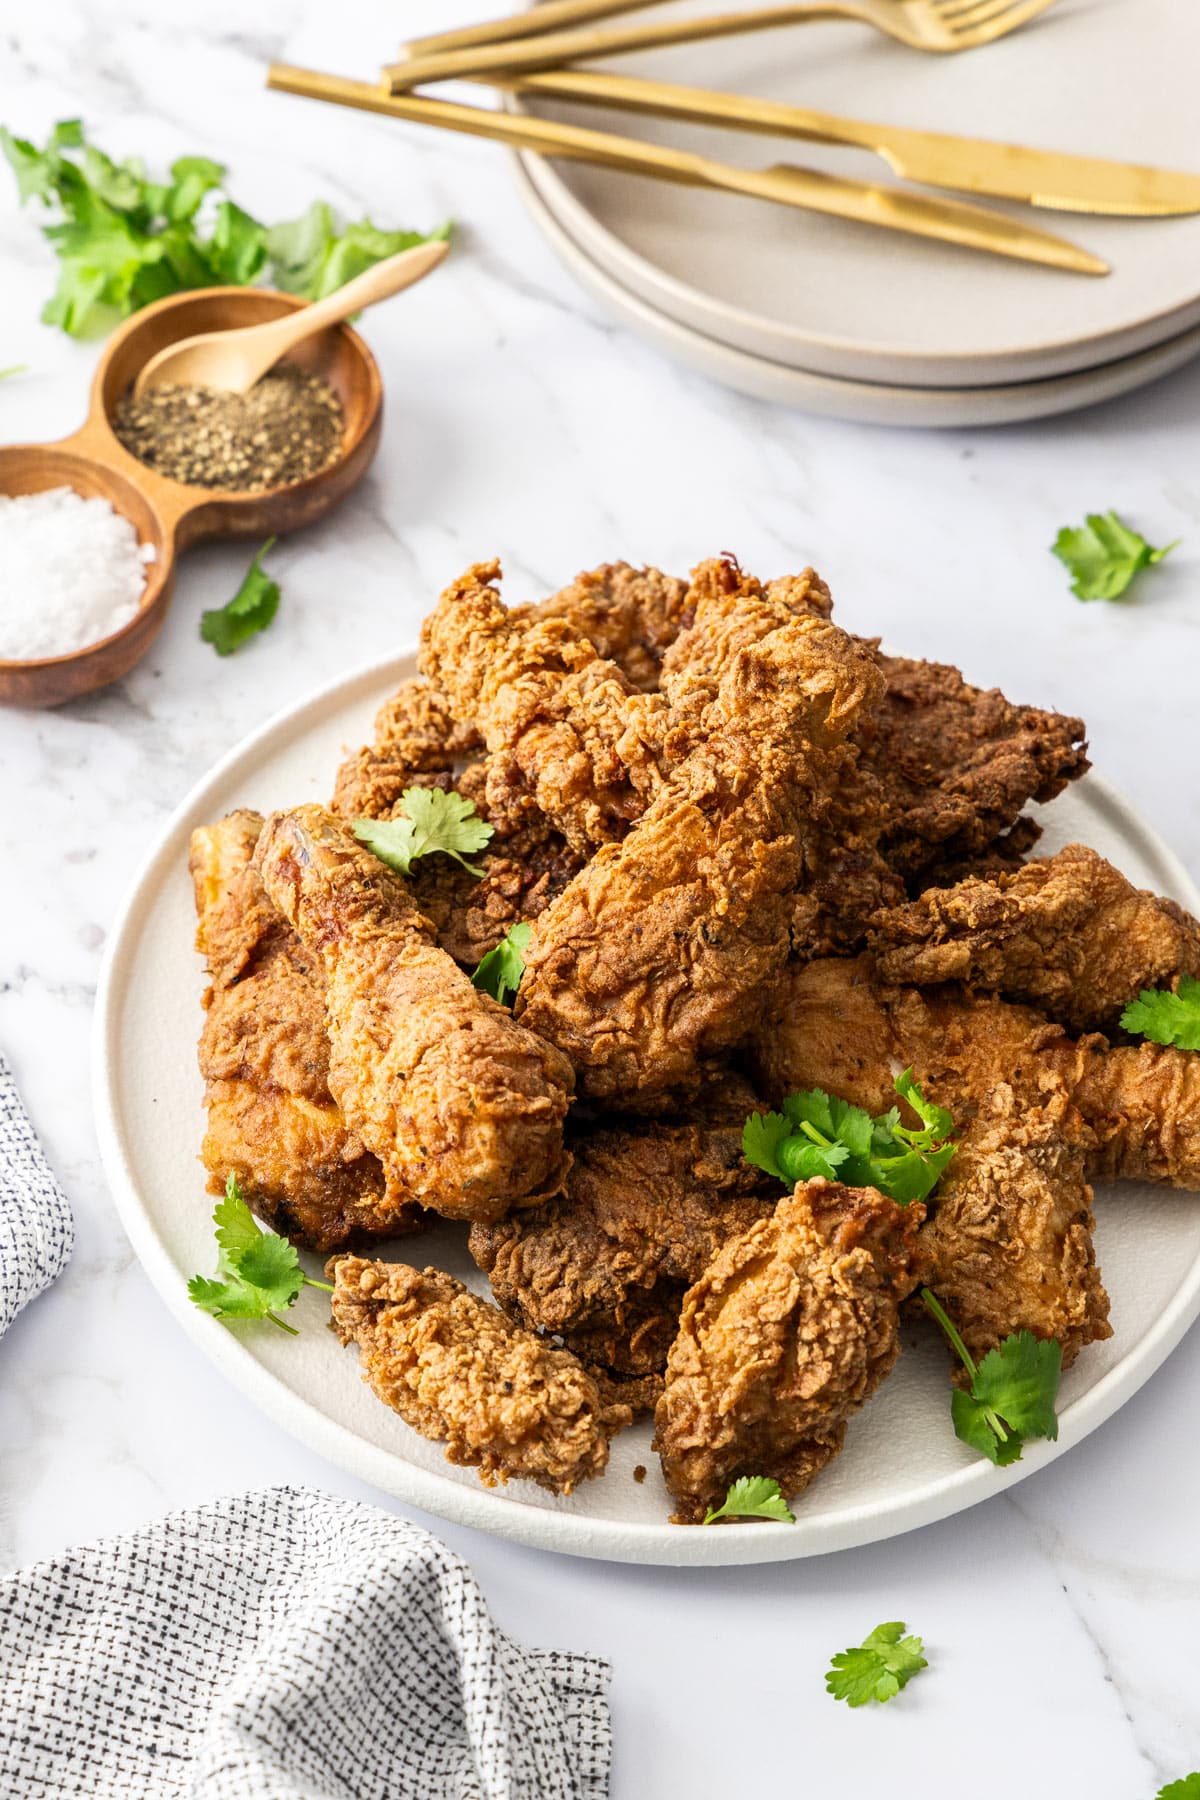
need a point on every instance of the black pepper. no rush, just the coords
(287, 427)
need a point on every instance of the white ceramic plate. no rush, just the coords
(1112, 78)
(902, 1467)
(866, 403)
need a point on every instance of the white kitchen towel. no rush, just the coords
(285, 1645)
(36, 1228)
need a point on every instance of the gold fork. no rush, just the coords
(934, 25)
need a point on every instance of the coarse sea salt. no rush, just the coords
(71, 572)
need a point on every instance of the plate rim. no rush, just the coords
(491, 1510)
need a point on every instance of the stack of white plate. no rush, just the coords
(855, 323)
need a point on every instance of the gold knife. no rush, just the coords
(948, 221)
(972, 165)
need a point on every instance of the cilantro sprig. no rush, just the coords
(753, 1497)
(1187, 1788)
(499, 972)
(1165, 1017)
(878, 1668)
(258, 1272)
(816, 1134)
(431, 821)
(1012, 1393)
(1104, 556)
(123, 240)
(250, 611)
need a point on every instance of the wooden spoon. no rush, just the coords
(234, 360)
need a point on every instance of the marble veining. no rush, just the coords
(1060, 1618)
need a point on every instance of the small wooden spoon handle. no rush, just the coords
(374, 284)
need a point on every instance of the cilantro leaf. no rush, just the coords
(1104, 556)
(249, 612)
(1167, 1018)
(499, 972)
(800, 1160)
(311, 257)
(1012, 1391)
(258, 1272)
(1187, 1788)
(432, 820)
(762, 1135)
(817, 1134)
(883, 1663)
(753, 1497)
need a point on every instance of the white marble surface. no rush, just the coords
(1060, 1620)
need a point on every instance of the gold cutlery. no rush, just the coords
(948, 221)
(1045, 178)
(940, 25)
(553, 16)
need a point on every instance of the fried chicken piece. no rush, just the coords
(605, 1265)
(1012, 1223)
(730, 611)
(264, 1055)
(463, 1107)
(458, 1371)
(792, 1327)
(1069, 935)
(653, 957)
(566, 731)
(1143, 1105)
(629, 615)
(415, 736)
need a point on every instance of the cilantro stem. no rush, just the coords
(276, 1320)
(325, 1286)
(810, 1131)
(943, 1318)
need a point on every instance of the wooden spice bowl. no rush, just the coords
(168, 514)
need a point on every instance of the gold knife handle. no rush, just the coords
(547, 50)
(555, 15)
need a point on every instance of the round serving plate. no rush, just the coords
(1111, 78)
(863, 403)
(902, 1466)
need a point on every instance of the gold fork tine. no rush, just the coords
(985, 20)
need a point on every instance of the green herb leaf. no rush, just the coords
(1165, 1017)
(816, 1134)
(13, 369)
(762, 1135)
(258, 1272)
(1012, 1393)
(249, 612)
(883, 1663)
(434, 821)
(312, 258)
(1104, 556)
(499, 972)
(237, 250)
(753, 1497)
(1188, 1788)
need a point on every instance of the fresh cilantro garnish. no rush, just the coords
(432, 820)
(500, 971)
(753, 1497)
(257, 1271)
(1167, 1018)
(1187, 1788)
(884, 1662)
(1104, 556)
(249, 612)
(1012, 1392)
(818, 1134)
(123, 240)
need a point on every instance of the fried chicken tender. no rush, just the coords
(458, 1371)
(654, 955)
(630, 615)
(1011, 1232)
(1069, 935)
(792, 1327)
(416, 737)
(565, 729)
(605, 1265)
(463, 1107)
(264, 1055)
(1143, 1105)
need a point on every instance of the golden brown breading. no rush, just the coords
(264, 1055)
(731, 610)
(605, 1265)
(1069, 935)
(630, 615)
(566, 731)
(463, 1107)
(653, 957)
(415, 736)
(1143, 1105)
(458, 1371)
(792, 1327)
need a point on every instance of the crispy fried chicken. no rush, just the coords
(458, 1371)
(463, 1107)
(791, 1328)
(630, 615)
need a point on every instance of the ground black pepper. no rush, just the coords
(287, 427)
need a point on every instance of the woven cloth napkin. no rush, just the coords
(36, 1229)
(285, 1645)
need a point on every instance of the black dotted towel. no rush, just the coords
(36, 1230)
(285, 1645)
